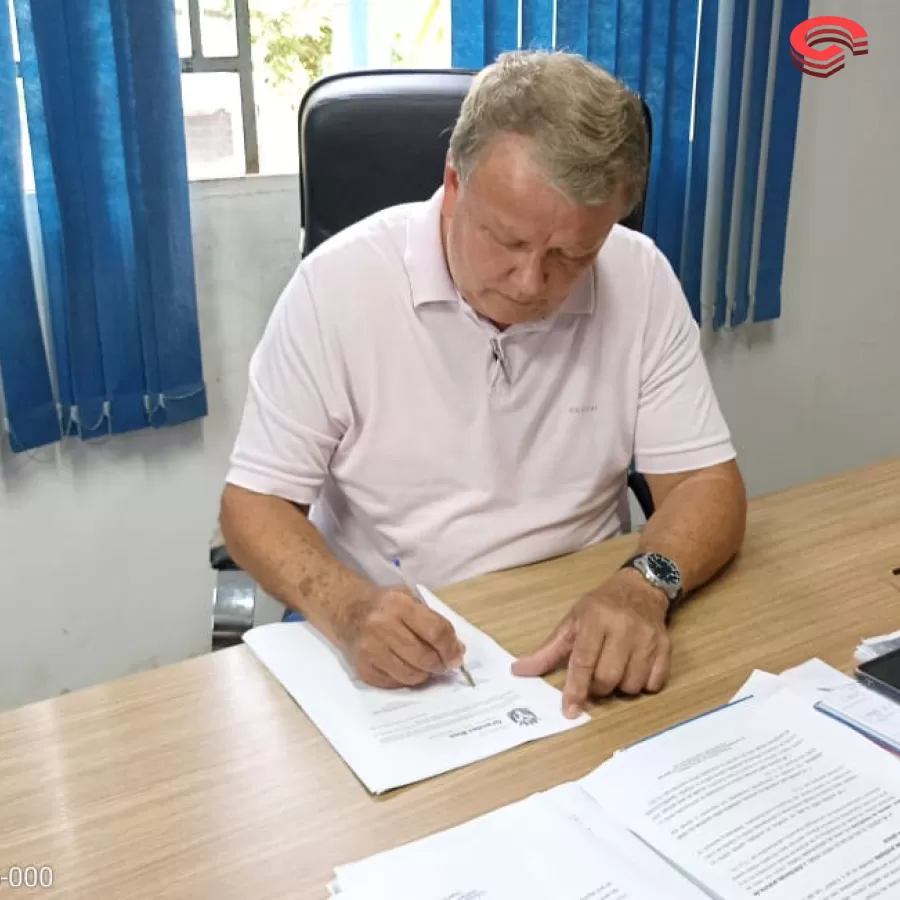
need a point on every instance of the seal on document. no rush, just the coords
(522, 716)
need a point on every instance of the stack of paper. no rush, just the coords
(764, 798)
(391, 738)
(877, 646)
(835, 694)
(536, 848)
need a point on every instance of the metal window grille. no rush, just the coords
(242, 64)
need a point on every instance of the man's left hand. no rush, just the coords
(615, 637)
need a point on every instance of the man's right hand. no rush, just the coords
(393, 640)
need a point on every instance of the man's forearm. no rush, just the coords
(274, 543)
(699, 524)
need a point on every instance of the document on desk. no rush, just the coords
(858, 706)
(814, 678)
(557, 844)
(764, 798)
(835, 694)
(391, 738)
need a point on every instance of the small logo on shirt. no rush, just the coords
(581, 410)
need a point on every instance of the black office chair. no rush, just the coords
(373, 139)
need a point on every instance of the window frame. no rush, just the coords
(242, 64)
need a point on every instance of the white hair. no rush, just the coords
(588, 129)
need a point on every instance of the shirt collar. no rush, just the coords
(430, 279)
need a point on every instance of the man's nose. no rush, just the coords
(530, 275)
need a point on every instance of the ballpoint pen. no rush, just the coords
(418, 595)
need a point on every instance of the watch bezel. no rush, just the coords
(660, 571)
(664, 569)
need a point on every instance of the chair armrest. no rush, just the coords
(221, 561)
(234, 608)
(219, 557)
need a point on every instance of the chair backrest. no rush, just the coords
(375, 138)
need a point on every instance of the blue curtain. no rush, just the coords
(651, 46)
(780, 166)
(31, 414)
(102, 89)
(666, 50)
(760, 230)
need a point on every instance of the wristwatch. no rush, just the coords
(661, 572)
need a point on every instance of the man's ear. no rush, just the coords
(451, 187)
(451, 176)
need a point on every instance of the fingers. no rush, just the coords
(645, 642)
(610, 644)
(403, 643)
(635, 673)
(391, 672)
(659, 671)
(414, 651)
(618, 647)
(435, 636)
(402, 672)
(611, 666)
(634, 661)
(375, 677)
(549, 655)
(582, 665)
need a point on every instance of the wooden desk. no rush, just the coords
(204, 779)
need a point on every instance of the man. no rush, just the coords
(461, 385)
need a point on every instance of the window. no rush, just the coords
(247, 63)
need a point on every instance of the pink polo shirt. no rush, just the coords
(415, 429)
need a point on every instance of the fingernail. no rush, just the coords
(572, 711)
(457, 662)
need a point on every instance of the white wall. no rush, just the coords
(815, 392)
(103, 549)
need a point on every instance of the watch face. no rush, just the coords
(664, 569)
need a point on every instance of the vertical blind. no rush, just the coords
(102, 94)
(668, 51)
(30, 407)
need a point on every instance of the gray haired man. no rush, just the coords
(463, 383)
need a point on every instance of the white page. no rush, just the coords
(536, 849)
(832, 692)
(813, 676)
(471, 859)
(865, 709)
(877, 645)
(760, 684)
(816, 674)
(574, 802)
(391, 738)
(764, 799)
